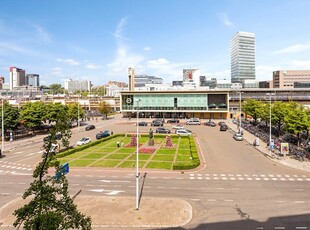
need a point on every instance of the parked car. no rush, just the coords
(83, 141)
(183, 132)
(238, 136)
(178, 127)
(222, 123)
(210, 123)
(103, 134)
(162, 130)
(142, 123)
(173, 121)
(223, 127)
(193, 121)
(89, 127)
(156, 123)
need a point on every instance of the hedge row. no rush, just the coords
(186, 165)
(82, 147)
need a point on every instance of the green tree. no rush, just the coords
(104, 108)
(51, 206)
(99, 90)
(253, 108)
(278, 112)
(10, 117)
(75, 112)
(32, 114)
(296, 120)
(57, 115)
(56, 88)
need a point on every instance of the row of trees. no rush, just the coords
(58, 89)
(290, 116)
(33, 115)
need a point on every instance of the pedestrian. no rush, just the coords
(122, 144)
(111, 133)
(117, 144)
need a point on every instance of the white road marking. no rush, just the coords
(211, 200)
(299, 202)
(301, 227)
(195, 199)
(229, 200)
(278, 228)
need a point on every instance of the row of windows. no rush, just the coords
(124, 107)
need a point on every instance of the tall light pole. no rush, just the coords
(270, 94)
(137, 158)
(240, 130)
(2, 128)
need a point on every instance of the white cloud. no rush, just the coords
(8, 47)
(225, 20)
(118, 34)
(157, 62)
(42, 34)
(92, 66)
(147, 48)
(294, 48)
(264, 72)
(301, 63)
(68, 61)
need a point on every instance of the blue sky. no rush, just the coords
(98, 40)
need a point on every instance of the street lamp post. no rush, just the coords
(270, 145)
(137, 158)
(2, 128)
(240, 130)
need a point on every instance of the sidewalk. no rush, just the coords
(287, 161)
(119, 212)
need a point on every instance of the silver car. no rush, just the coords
(238, 137)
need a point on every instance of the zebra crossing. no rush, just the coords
(249, 177)
(7, 167)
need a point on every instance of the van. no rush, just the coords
(193, 121)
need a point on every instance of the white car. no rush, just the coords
(83, 141)
(183, 132)
(238, 136)
(178, 127)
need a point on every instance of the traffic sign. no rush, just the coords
(63, 170)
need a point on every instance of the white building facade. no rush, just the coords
(243, 57)
(74, 85)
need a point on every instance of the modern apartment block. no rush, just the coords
(142, 80)
(286, 78)
(243, 57)
(74, 85)
(17, 77)
(32, 80)
(191, 77)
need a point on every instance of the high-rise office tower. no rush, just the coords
(243, 57)
(131, 79)
(17, 77)
(32, 80)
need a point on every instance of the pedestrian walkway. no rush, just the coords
(120, 212)
(249, 177)
(287, 161)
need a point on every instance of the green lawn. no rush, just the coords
(105, 153)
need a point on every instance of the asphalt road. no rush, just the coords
(238, 188)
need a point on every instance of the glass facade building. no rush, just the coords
(175, 104)
(243, 57)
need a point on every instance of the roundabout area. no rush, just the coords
(169, 152)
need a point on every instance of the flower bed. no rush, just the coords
(147, 150)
